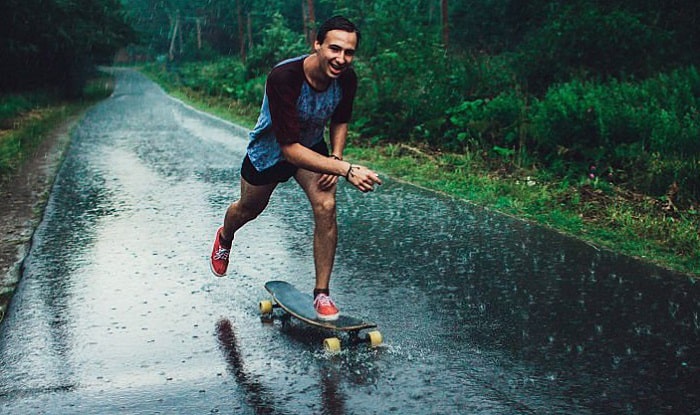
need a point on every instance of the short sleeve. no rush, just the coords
(283, 87)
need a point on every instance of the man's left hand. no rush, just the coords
(327, 181)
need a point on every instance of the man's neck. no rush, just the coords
(314, 76)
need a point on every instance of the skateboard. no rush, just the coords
(300, 306)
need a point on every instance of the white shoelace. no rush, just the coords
(324, 300)
(222, 253)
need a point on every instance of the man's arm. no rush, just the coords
(308, 159)
(338, 135)
(361, 177)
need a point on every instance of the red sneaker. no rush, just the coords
(325, 308)
(219, 256)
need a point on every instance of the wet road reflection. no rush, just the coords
(117, 311)
(256, 394)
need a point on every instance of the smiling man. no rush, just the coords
(303, 96)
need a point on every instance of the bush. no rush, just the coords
(14, 105)
(487, 123)
(646, 133)
(405, 90)
(219, 78)
(278, 43)
(589, 42)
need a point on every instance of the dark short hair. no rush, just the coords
(337, 23)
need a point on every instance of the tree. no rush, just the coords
(51, 42)
(309, 17)
(445, 23)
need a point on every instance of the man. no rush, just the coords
(302, 96)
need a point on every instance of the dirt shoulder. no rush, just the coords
(24, 196)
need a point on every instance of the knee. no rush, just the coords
(247, 212)
(325, 209)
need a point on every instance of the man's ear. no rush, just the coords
(317, 46)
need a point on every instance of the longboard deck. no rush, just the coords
(300, 305)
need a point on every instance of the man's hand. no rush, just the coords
(362, 178)
(327, 181)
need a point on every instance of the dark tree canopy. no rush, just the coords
(50, 42)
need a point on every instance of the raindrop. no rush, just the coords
(673, 308)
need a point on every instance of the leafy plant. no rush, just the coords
(278, 43)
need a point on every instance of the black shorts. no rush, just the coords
(280, 172)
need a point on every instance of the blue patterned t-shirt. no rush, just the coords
(292, 111)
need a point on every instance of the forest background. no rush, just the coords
(583, 115)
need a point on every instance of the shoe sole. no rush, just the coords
(332, 317)
(211, 267)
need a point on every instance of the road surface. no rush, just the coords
(117, 311)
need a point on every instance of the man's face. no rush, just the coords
(336, 52)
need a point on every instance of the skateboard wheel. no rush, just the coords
(332, 344)
(375, 338)
(265, 307)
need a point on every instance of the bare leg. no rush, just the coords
(250, 205)
(326, 225)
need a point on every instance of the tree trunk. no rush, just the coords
(179, 39)
(311, 23)
(176, 26)
(241, 30)
(199, 34)
(304, 21)
(250, 32)
(445, 24)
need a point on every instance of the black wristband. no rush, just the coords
(347, 175)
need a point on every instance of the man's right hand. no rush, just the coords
(362, 178)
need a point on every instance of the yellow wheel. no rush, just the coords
(265, 307)
(332, 344)
(375, 338)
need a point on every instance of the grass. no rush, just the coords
(615, 219)
(599, 213)
(26, 119)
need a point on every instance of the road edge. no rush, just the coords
(27, 193)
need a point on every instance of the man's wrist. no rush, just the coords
(349, 172)
(336, 157)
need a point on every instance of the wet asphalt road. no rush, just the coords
(117, 311)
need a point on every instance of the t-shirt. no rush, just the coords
(294, 112)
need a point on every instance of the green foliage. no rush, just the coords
(560, 86)
(12, 106)
(405, 90)
(278, 43)
(487, 123)
(646, 133)
(54, 42)
(26, 118)
(219, 78)
(585, 41)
